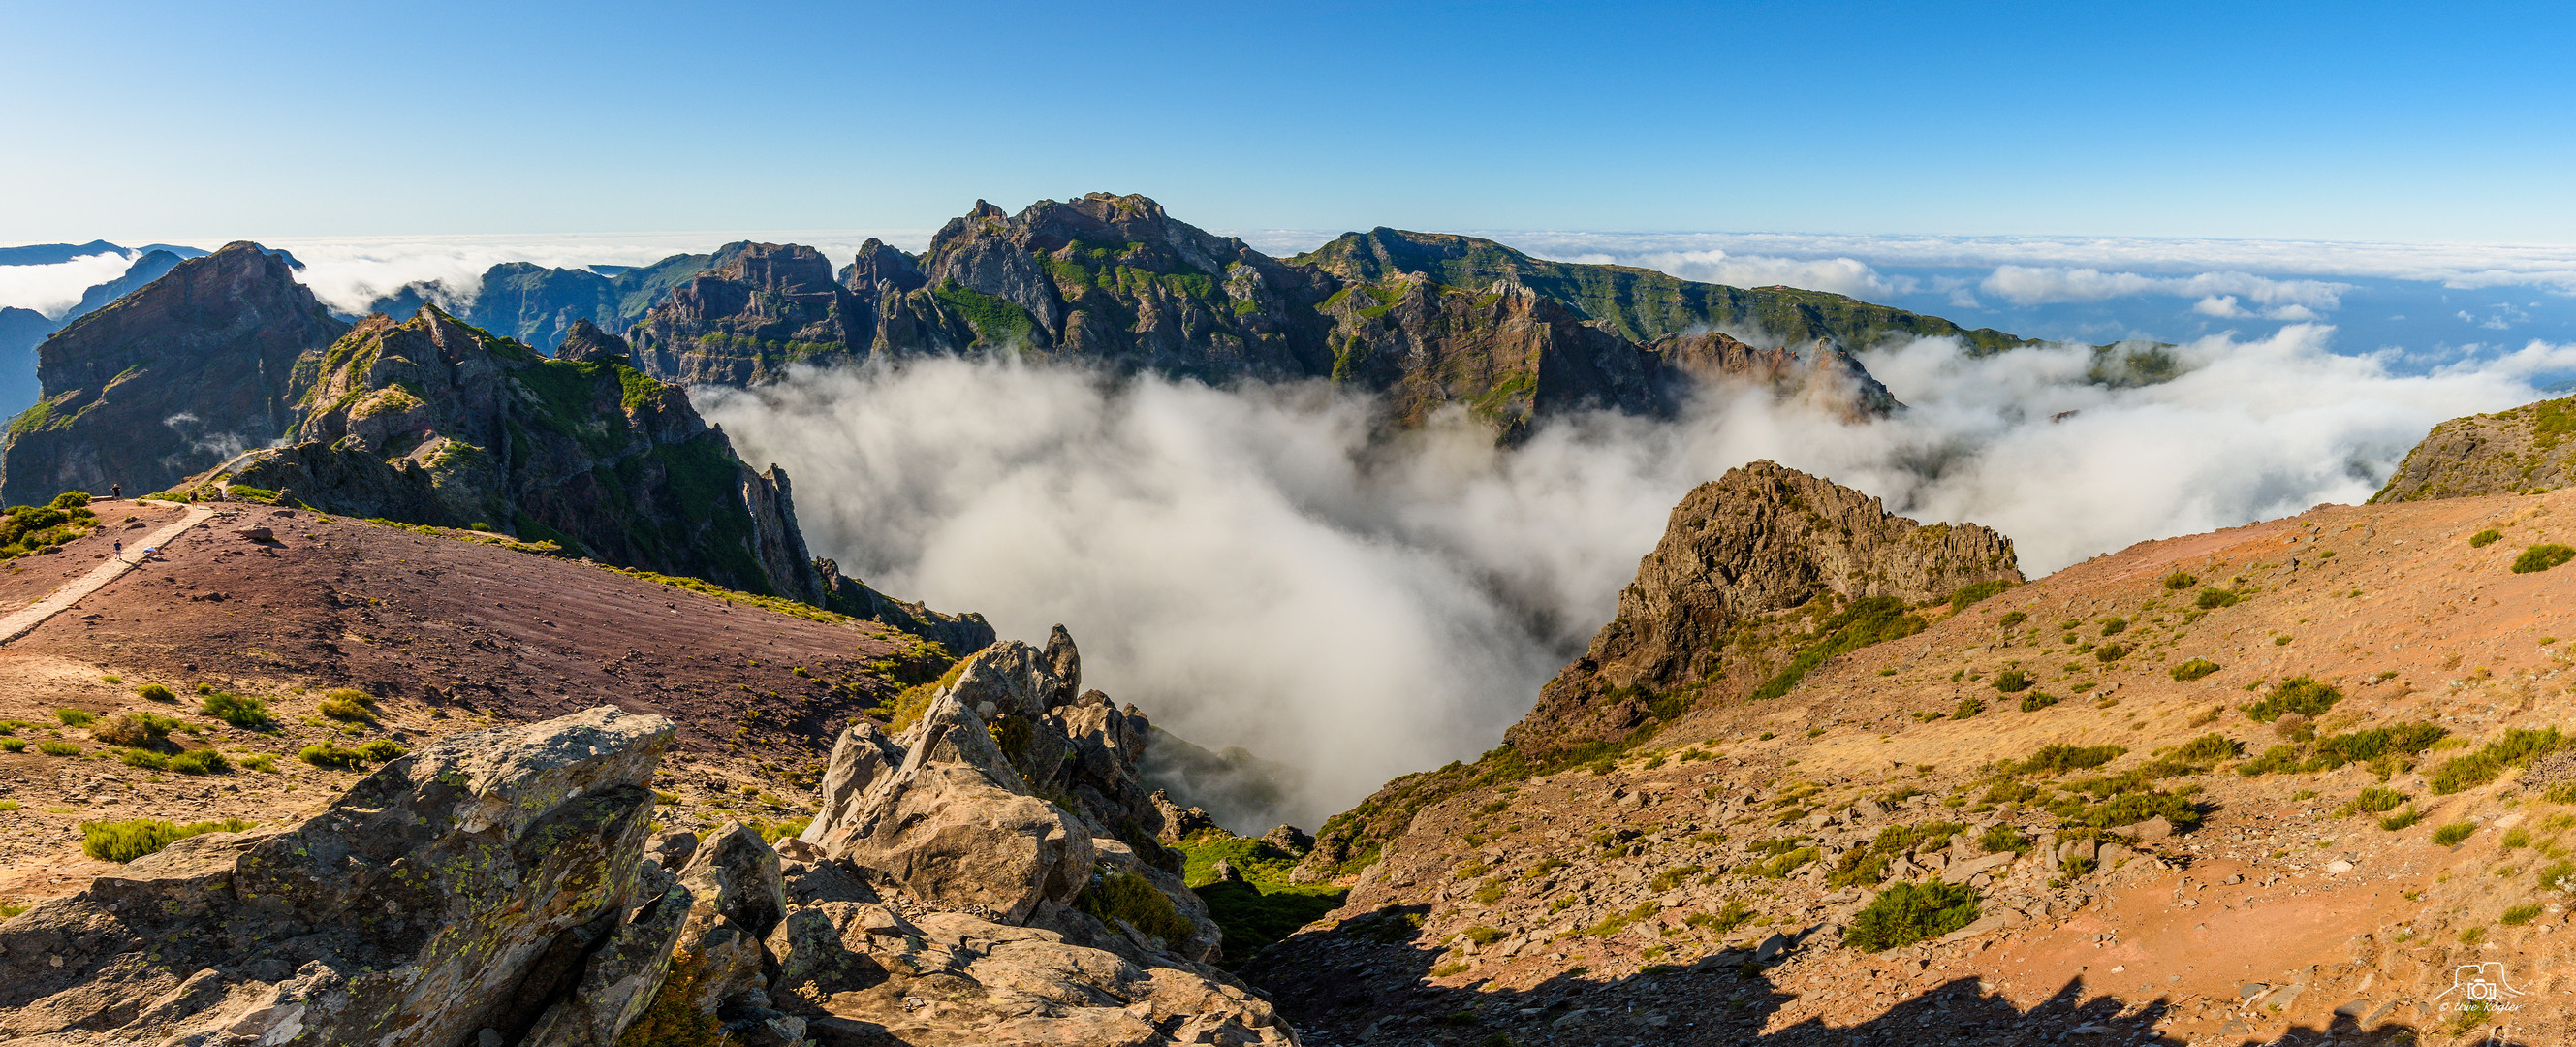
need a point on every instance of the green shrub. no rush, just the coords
(383, 749)
(2298, 694)
(327, 755)
(146, 759)
(2542, 557)
(1968, 707)
(2000, 838)
(2519, 915)
(141, 730)
(15, 745)
(2401, 819)
(2059, 759)
(2208, 748)
(75, 717)
(2212, 599)
(2374, 800)
(1869, 620)
(153, 692)
(1961, 600)
(2454, 833)
(2193, 670)
(2485, 538)
(1735, 914)
(2180, 580)
(2012, 618)
(200, 761)
(1130, 897)
(243, 711)
(58, 748)
(127, 840)
(1907, 913)
(2110, 652)
(2012, 681)
(350, 705)
(2036, 701)
(2516, 749)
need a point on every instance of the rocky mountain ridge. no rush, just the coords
(169, 380)
(2283, 780)
(1115, 282)
(497, 887)
(2521, 451)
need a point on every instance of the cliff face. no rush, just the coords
(1640, 304)
(169, 380)
(1760, 540)
(432, 421)
(2521, 451)
(539, 306)
(756, 310)
(1114, 281)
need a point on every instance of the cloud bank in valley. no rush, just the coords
(1251, 567)
(54, 289)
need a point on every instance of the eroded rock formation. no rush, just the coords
(1761, 539)
(965, 883)
(459, 889)
(172, 379)
(2521, 451)
(432, 421)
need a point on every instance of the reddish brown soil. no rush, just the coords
(2404, 617)
(445, 632)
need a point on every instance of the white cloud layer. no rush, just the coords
(1252, 569)
(54, 289)
(2548, 266)
(2040, 285)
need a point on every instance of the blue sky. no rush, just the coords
(2379, 122)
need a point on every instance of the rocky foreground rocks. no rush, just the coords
(502, 887)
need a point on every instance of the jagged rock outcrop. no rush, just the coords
(585, 341)
(1822, 374)
(172, 379)
(1763, 538)
(459, 889)
(1005, 742)
(960, 633)
(1113, 281)
(1640, 304)
(756, 310)
(1010, 812)
(539, 306)
(496, 888)
(2521, 451)
(432, 421)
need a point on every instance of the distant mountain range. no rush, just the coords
(21, 329)
(1426, 321)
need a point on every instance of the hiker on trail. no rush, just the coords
(115, 491)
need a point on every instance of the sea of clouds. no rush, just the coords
(1257, 567)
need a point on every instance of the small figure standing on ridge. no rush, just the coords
(115, 491)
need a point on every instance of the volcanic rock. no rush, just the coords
(172, 379)
(1763, 538)
(2520, 451)
(455, 890)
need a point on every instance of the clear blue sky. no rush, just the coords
(2346, 121)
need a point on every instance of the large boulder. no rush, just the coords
(859, 972)
(462, 888)
(1007, 795)
(955, 824)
